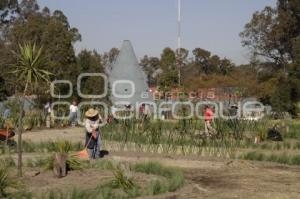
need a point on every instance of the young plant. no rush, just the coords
(30, 74)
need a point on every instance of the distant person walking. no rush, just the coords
(48, 113)
(73, 113)
(6, 113)
(208, 120)
(93, 139)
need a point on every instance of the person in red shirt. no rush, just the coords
(208, 119)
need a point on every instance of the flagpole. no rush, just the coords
(179, 24)
(178, 39)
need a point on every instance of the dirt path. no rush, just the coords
(207, 177)
(215, 179)
(72, 134)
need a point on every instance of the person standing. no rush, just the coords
(73, 113)
(6, 113)
(93, 138)
(48, 113)
(208, 119)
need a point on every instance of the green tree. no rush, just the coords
(90, 62)
(50, 30)
(168, 80)
(273, 36)
(7, 10)
(202, 59)
(169, 76)
(109, 58)
(226, 66)
(168, 59)
(150, 65)
(272, 32)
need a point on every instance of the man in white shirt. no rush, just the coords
(73, 113)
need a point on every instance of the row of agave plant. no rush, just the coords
(182, 136)
(178, 136)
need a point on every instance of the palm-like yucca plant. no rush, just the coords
(29, 67)
(30, 73)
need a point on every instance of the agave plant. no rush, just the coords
(63, 146)
(122, 181)
(30, 73)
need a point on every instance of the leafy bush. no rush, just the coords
(156, 187)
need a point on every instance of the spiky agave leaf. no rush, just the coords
(63, 146)
(74, 163)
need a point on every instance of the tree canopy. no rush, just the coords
(272, 35)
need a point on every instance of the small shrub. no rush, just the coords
(272, 158)
(101, 164)
(295, 160)
(6, 180)
(28, 147)
(283, 159)
(122, 181)
(8, 161)
(44, 162)
(175, 176)
(149, 168)
(265, 146)
(278, 146)
(286, 145)
(156, 187)
(254, 156)
(21, 194)
(297, 146)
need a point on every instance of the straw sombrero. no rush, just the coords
(91, 112)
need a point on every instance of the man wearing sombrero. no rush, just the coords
(93, 139)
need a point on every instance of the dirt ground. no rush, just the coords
(207, 178)
(39, 181)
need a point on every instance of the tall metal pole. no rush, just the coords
(179, 40)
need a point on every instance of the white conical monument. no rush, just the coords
(127, 79)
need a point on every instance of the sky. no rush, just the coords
(151, 25)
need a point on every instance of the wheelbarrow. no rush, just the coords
(6, 135)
